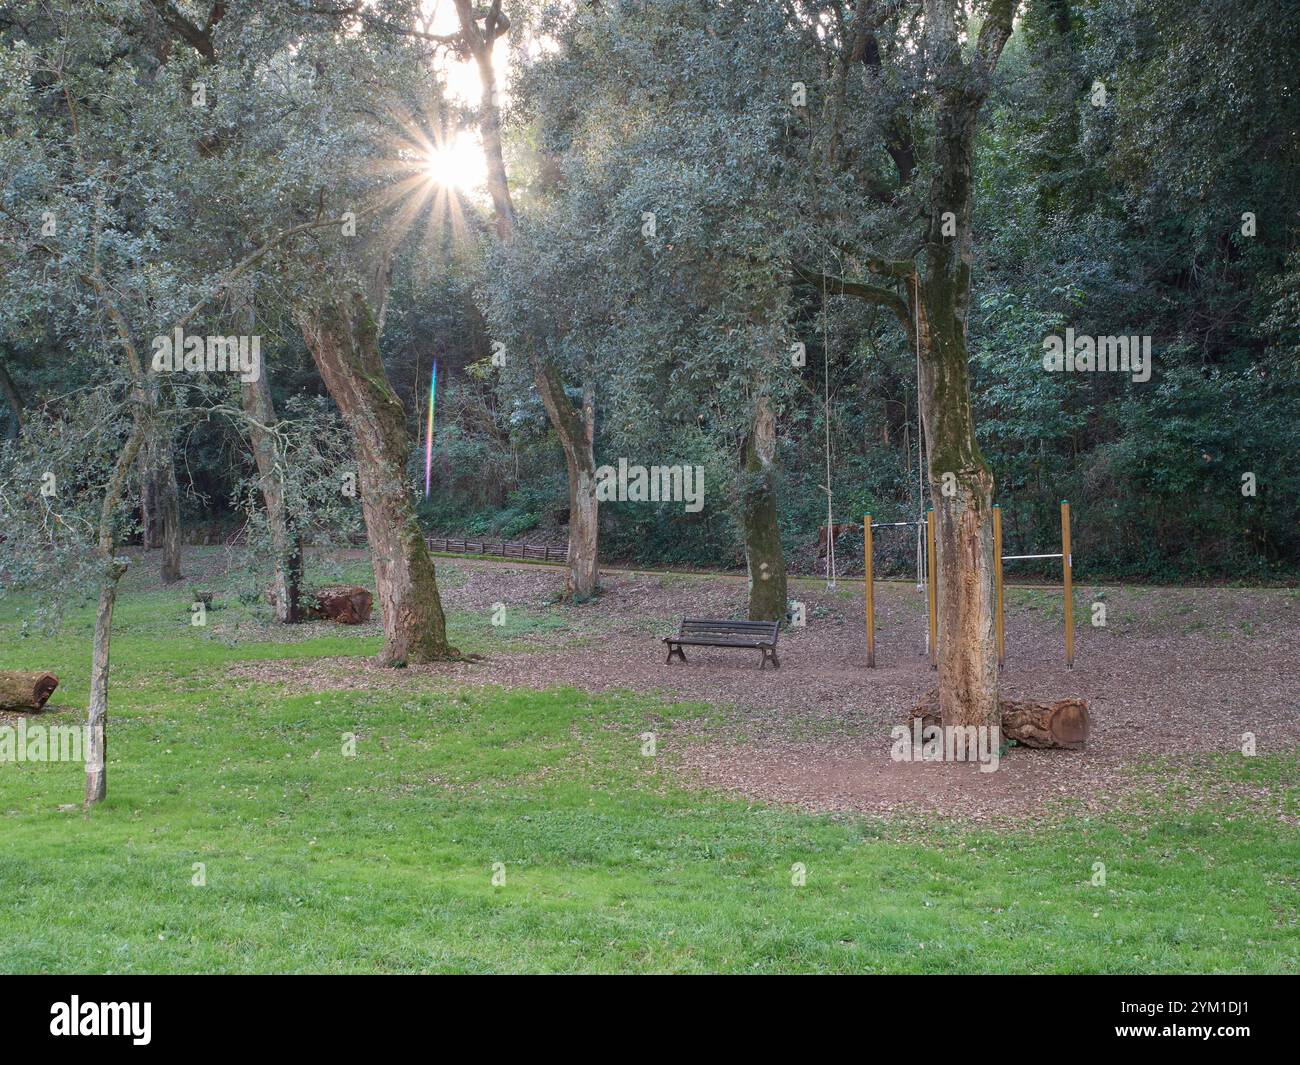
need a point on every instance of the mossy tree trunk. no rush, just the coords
(961, 492)
(934, 317)
(576, 430)
(764, 558)
(343, 337)
(961, 484)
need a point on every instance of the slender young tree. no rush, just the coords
(575, 427)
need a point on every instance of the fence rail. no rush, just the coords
(499, 548)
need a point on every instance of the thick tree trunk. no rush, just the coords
(26, 691)
(343, 336)
(961, 485)
(582, 580)
(961, 489)
(286, 547)
(763, 555)
(576, 432)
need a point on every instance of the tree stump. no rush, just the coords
(343, 604)
(1062, 725)
(26, 691)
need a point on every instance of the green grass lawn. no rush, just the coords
(384, 861)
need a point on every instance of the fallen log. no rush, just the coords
(26, 691)
(340, 603)
(1063, 724)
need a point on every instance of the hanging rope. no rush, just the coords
(920, 445)
(826, 415)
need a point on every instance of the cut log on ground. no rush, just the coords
(26, 691)
(1063, 724)
(346, 605)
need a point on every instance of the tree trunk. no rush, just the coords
(286, 547)
(97, 714)
(10, 392)
(343, 337)
(26, 691)
(170, 510)
(151, 530)
(114, 568)
(763, 555)
(577, 436)
(159, 495)
(961, 491)
(961, 484)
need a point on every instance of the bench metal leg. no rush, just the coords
(769, 652)
(675, 650)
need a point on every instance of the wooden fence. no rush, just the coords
(499, 548)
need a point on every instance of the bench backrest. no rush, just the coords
(759, 631)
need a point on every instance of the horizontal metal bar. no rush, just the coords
(1012, 558)
(894, 524)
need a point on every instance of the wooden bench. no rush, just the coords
(708, 632)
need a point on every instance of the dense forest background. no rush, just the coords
(1137, 174)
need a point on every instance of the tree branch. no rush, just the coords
(874, 294)
(198, 39)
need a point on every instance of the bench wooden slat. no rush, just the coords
(726, 632)
(722, 642)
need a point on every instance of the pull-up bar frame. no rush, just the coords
(1067, 579)
(1067, 574)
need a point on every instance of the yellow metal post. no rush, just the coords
(934, 590)
(871, 591)
(1067, 571)
(997, 585)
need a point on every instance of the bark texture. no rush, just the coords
(114, 568)
(14, 401)
(961, 489)
(763, 555)
(1064, 724)
(576, 430)
(346, 605)
(26, 691)
(961, 484)
(343, 337)
(160, 506)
